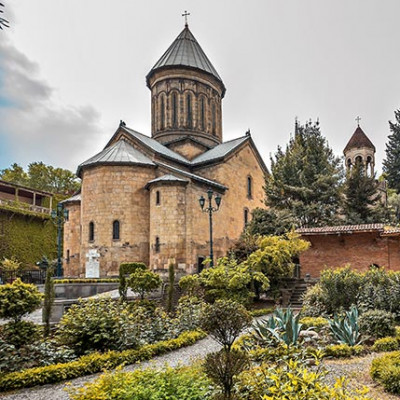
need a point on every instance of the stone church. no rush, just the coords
(139, 199)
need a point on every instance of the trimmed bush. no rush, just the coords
(93, 363)
(377, 323)
(386, 370)
(143, 282)
(314, 322)
(20, 333)
(86, 280)
(343, 350)
(124, 270)
(386, 344)
(261, 312)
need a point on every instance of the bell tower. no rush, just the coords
(186, 94)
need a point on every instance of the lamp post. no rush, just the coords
(59, 217)
(210, 210)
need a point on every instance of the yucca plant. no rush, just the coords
(345, 328)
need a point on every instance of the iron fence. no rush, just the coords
(36, 276)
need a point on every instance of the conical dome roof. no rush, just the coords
(358, 140)
(185, 51)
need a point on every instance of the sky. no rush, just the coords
(70, 70)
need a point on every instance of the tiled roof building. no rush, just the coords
(139, 196)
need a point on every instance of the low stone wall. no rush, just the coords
(77, 290)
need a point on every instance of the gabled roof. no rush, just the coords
(334, 230)
(358, 140)
(75, 198)
(166, 178)
(185, 51)
(120, 153)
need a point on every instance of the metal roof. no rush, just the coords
(75, 197)
(359, 139)
(186, 51)
(167, 178)
(219, 151)
(120, 152)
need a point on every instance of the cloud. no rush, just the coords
(33, 125)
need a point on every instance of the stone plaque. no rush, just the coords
(92, 266)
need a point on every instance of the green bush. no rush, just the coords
(386, 370)
(314, 322)
(20, 333)
(188, 313)
(93, 363)
(343, 350)
(314, 301)
(173, 384)
(386, 344)
(259, 312)
(18, 299)
(377, 323)
(224, 321)
(125, 269)
(143, 281)
(86, 280)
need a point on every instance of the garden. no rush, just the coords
(263, 353)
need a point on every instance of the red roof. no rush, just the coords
(358, 140)
(334, 230)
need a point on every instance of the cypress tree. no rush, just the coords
(391, 165)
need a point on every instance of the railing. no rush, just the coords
(36, 276)
(25, 206)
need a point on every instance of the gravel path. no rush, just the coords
(183, 356)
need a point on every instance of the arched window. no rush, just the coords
(189, 111)
(249, 187)
(158, 198)
(174, 110)
(91, 231)
(115, 230)
(153, 113)
(157, 245)
(202, 114)
(349, 163)
(162, 113)
(359, 160)
(246, 216)
(214, 119)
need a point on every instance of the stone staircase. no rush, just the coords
(299, 289)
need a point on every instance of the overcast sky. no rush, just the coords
(71, 69)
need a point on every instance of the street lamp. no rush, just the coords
(59, 217)
(210, 209)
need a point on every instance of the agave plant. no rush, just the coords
(345, 328)
(283, 326)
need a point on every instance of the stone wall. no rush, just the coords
(359, 250)
(72, 240)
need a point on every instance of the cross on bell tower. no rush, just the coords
(185, 14)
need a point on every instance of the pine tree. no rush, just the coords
(361, 204)
(391, 165)
(306, 178)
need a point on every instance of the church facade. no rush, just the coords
(139, 199)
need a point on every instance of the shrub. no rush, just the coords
(124, 270)
(386, 344)
(20, 333)
(18, 299)
(345, 328)
(221, 367)
(143, 281)
(386, 370)
(314, 322)
(188, 313)
(171, 287)
(261, 312)
(49, 296)
(94, 324)
(314, 301)
(174, 384)
(224, 321)
(93, 363)
(377, 323)
(291, 381)
(343, 350)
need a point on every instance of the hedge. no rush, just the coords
(386, 370)
(261, 312)
(86, 280)
(93, 363)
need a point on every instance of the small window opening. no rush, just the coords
(189, 110)
(249, 187)
(158, 198)
(162, 112)
(174, 110)
(68, 257)
(214, 119)
(202, 114)
(157, 245)
(246, 216)
(116, 230)
(91, 231)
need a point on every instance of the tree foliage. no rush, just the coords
(391, 164)
(3, 21)
(144, 281)
(42, 177)
(271, 222)
(361, 205)
(305, 178)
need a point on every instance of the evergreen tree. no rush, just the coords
(306, 178)
(3, 21)
(361, 204)
(391, 165)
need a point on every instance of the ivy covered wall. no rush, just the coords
(26, 236)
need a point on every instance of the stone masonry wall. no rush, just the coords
(112, 193)
(359, 250)
(72, 239)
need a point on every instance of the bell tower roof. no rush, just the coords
(185, 51)
(358, 140)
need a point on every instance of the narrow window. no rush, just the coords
(246, 216)
(158, 198)
(157, 245)
(189, 110)
(153, 114)
(174, 110)
(162, 112)
(214, 119)
(116, 230)
(68, 257)
(249, 187)
(91, 231)
(202, 114)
